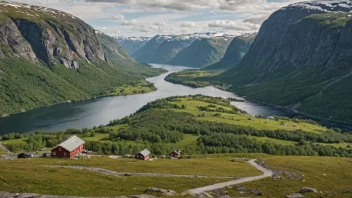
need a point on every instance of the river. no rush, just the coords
(89, 113)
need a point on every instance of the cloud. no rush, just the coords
(188, 24)
(160, 24)
(118, 17)
(133, 22)
(238, 25)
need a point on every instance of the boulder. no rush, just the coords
(308, 190)
(142, 196)
(163, 191)
(296, 195)
(257, 192)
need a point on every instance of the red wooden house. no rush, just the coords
(69, 148)
(143, 155)
(175, 154)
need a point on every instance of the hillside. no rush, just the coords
(203, 52)
(234, 53)
(162, 49)
(301, 59)
(49, 57)
(132, 44)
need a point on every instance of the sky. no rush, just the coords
(152, 17)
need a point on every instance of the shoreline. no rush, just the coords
(4, 116)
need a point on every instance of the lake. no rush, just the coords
(86, 114)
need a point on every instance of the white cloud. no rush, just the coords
(133, 22)
(118, 17)
(238, 25)
(159, 24)
(188, 24)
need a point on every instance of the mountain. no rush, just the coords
(48, 57)
(203, 52)
(235, 52)
(132, 44)
(162, 49)
(301, 58)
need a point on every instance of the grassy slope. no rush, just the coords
(193, 78)
(241, 119)
(338, 177)
(33, 178)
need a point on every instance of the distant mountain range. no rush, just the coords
(132, 44)
(48, 57)
(301, 58)
(205, 48)
(202, 52)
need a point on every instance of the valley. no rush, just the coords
(175, 99)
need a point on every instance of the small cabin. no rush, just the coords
(69, 148)
(175, 154)
(143, 155)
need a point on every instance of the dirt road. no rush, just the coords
(114, 173)
(267, 173)
(7, 151)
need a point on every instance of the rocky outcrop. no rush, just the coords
(302, 54)
(39, 34)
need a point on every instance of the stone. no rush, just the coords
(163, 191)
(296, 195)
(308, 190)
(257, 192)
(142, 196)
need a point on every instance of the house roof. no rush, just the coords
(71, 143)
(145, 152)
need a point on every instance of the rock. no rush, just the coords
(296, 195)
(27, 195)
(163, 191)
(224, 196)
(257, 192)
(307, 190)
(242, 190)
(204, 195)
(4, 115)
(142, 196)
(347, 192)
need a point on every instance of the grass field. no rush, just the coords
(191, 77)
(245, 120)
(332, 176)
(140, 88)
(14, 177)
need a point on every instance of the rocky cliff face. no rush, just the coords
(301, 57)
(48, 57)
(37, 33)
(235, 52)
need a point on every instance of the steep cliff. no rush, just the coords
(235, 52)
(48, 56)
(202, 52)
(301, 58)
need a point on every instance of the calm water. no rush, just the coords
(101, 111)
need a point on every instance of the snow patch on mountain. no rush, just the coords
(323, 6)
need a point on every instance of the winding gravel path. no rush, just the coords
(114, 173)
(267, 173)
(3, 147)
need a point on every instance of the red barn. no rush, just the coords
(143, 155)
(69, 148)
(175, 154)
